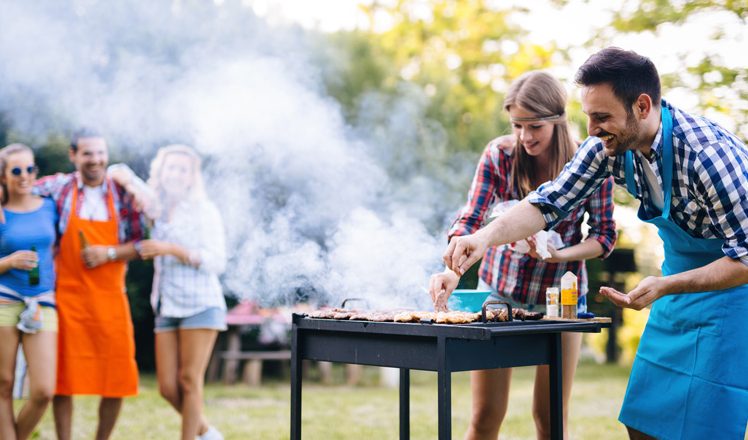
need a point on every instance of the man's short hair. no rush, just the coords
(628, 73)
(83, 132)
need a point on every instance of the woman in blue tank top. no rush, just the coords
(27, 280)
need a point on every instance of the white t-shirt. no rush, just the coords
(94, 204)
(655, 189)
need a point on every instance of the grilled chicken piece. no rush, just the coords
(334, 313)
(524, 315)
(409, 316)
(455, 317)
(344, 314)
(375, 316)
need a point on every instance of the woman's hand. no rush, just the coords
(153, 248)
(23, 260)
(556, 256)
(441, 286)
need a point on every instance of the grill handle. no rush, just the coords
(492, 303)
(347, 300)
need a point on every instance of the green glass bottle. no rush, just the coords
(34, 272)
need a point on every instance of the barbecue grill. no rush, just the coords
(443, 348)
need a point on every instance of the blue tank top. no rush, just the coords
(22, 230)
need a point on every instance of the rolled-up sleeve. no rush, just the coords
(210, 249)
(584, 174)
(600, 207)
(52, 185)
(723, 180)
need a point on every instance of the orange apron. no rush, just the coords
(96, 348)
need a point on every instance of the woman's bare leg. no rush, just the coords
(167, 371)
(40, 350)
(490, 400)
(8, 351)
(571, 344)
(195, 347)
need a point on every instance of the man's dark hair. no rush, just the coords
(83, 132)
(628, 73)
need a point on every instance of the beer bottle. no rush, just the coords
(34, 272)
(84, 242)
(147, 230)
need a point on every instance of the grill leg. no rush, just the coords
(556, 389)
(295, 386)
(404, 404)
(445, 392)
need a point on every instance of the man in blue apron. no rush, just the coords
(690, 376)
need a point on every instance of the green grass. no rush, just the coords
(366, 411)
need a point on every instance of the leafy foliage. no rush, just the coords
(461, 54)
(720, 88)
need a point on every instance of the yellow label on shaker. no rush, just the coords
(569, 291)
(569, 297)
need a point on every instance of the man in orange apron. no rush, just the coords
(98, 228)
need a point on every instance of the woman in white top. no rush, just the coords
(188, 248)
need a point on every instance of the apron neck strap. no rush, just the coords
(667, 159)
(667, 163)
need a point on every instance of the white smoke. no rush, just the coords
(311, 205)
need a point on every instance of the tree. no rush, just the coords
(461, 54)
(721, 88)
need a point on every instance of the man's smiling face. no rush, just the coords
(91, 158)
(608, 119)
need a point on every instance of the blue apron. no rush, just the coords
(690, 376)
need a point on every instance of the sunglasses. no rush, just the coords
(31, 169)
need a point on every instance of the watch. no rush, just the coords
(111, 254)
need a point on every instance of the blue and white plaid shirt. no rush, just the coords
(181, 290)
(710, 181)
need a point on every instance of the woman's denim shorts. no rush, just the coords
(211, 319)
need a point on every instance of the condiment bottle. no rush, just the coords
(569, 296)
(551, 302)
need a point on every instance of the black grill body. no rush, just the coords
(443, 348)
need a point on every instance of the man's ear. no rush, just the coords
(643, 106)
(71, 154)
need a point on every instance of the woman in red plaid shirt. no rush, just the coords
(509, 169)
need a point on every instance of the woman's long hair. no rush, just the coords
(542, 95)
(6, 152)
(197, 189)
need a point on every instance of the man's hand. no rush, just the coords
(144, 199)
(23, 260)
(441, 286)
(153, 248)
(464, 251)
(648, 291)
(95, 256)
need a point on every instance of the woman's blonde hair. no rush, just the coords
(6, 152)
(542, 95)
(197, 189)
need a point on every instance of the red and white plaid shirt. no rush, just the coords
(520, 276)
